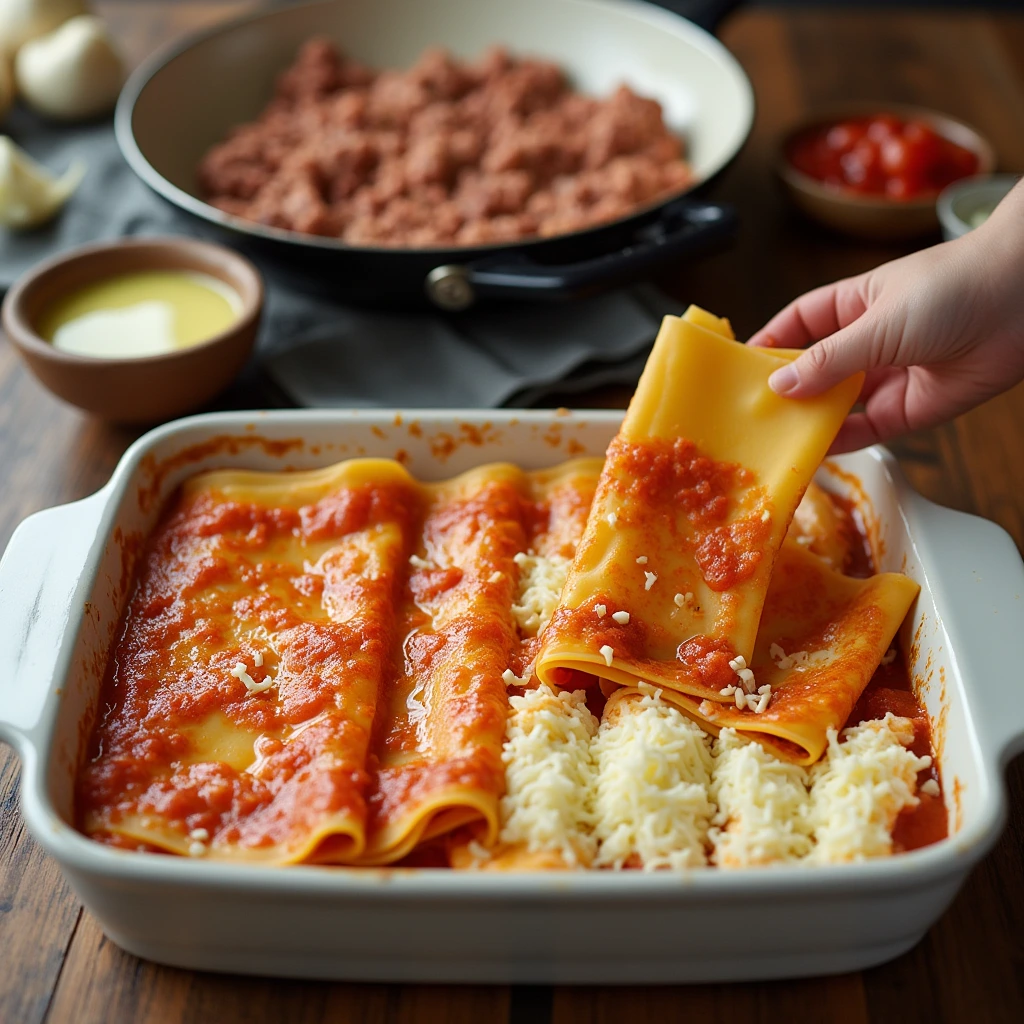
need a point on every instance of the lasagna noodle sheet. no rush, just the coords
(371, 615)
(695, 499)
(822, 636)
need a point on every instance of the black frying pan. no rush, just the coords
(182, 101)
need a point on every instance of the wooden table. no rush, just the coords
(56, 965)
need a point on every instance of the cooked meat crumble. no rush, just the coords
(447, 153)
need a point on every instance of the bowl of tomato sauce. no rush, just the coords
(876, 173)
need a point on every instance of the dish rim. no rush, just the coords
(73, 850)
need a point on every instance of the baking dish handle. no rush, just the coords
(41, 590)
(683, 228)
(977, 565)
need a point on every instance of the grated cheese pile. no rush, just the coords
(762, 805)
(651, 796)
(647, 787)
(860, 787)
(549, 774)
(541, 578)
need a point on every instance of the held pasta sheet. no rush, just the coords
(697, 494)
(311, 664)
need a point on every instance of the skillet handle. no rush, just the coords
(708, 14)
(683, 228)
(43, 586)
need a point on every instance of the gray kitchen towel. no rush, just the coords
(322, 353)
(510, 355)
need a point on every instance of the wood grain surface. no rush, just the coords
(55, 963)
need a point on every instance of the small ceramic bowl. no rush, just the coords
(965, 204)
(878, 218)
(143, 389)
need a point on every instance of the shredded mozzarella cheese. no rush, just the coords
(860, 787)
(799, 660)
(651, 796)
(509, 678)
(762, 805)
(242, 675)
(541, 578)
(549, 774)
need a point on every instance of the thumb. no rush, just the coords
(828, 362)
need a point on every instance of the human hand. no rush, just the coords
(937, 332)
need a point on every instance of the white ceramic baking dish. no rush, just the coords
(64, 578)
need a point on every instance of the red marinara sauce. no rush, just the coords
(890, 689)
(674, 476)
(881, 155)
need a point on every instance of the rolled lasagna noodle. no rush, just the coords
(241, 695)
(437, 749)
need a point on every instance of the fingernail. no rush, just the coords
(784, 380)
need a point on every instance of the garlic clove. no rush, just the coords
(74, 72)
(29, 194)
(24, 20)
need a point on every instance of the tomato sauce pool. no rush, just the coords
(881, 155)
(890, 689)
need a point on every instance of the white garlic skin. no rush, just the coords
(71, 74)
(29, 194)
(24, 20)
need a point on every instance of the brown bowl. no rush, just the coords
(145, 389)
(878, 218)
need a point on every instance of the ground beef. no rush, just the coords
(446, 153)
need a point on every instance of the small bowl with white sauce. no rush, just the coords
(136, 330)
(968, 203)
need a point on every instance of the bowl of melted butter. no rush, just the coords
(137, 330)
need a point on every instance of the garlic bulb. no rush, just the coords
(30, 194)
(72, 73)
(22, 20)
